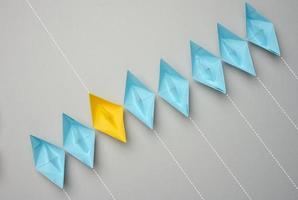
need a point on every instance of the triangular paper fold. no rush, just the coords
(139, 100)
(207, 68)
(78, 140)
(49, 160)
(260, 31)
(173, 88)
(107, 117)
(234, 50)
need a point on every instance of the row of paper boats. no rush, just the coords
(107, 117)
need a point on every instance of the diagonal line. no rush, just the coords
(178, 164)
(66, 194)
(262, 142)
(104, 184)
(71, 66)
(277, 103)
(289, 68)
(220, 158)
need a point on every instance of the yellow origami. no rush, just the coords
(107, 117)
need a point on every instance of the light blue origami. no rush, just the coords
(173, 88)
(139, 100)
(260, 31)
(207, 68)
(49, 160)
(234, 50)
(78, 140)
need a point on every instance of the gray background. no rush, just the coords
(104, 38)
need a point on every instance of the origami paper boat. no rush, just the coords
(260, 31)
(107, 117)
(139, 100)
(49, 160)
(207, 68)
(234, 50)
(173, 88)
(78, 140)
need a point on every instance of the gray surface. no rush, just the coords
(105, 38)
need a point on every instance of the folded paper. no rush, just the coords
(260, 31)
(173, 88)
(107, 117)
(49, 160)
(207, 68)
(78, 140)
(139, 100)
(234, 50)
